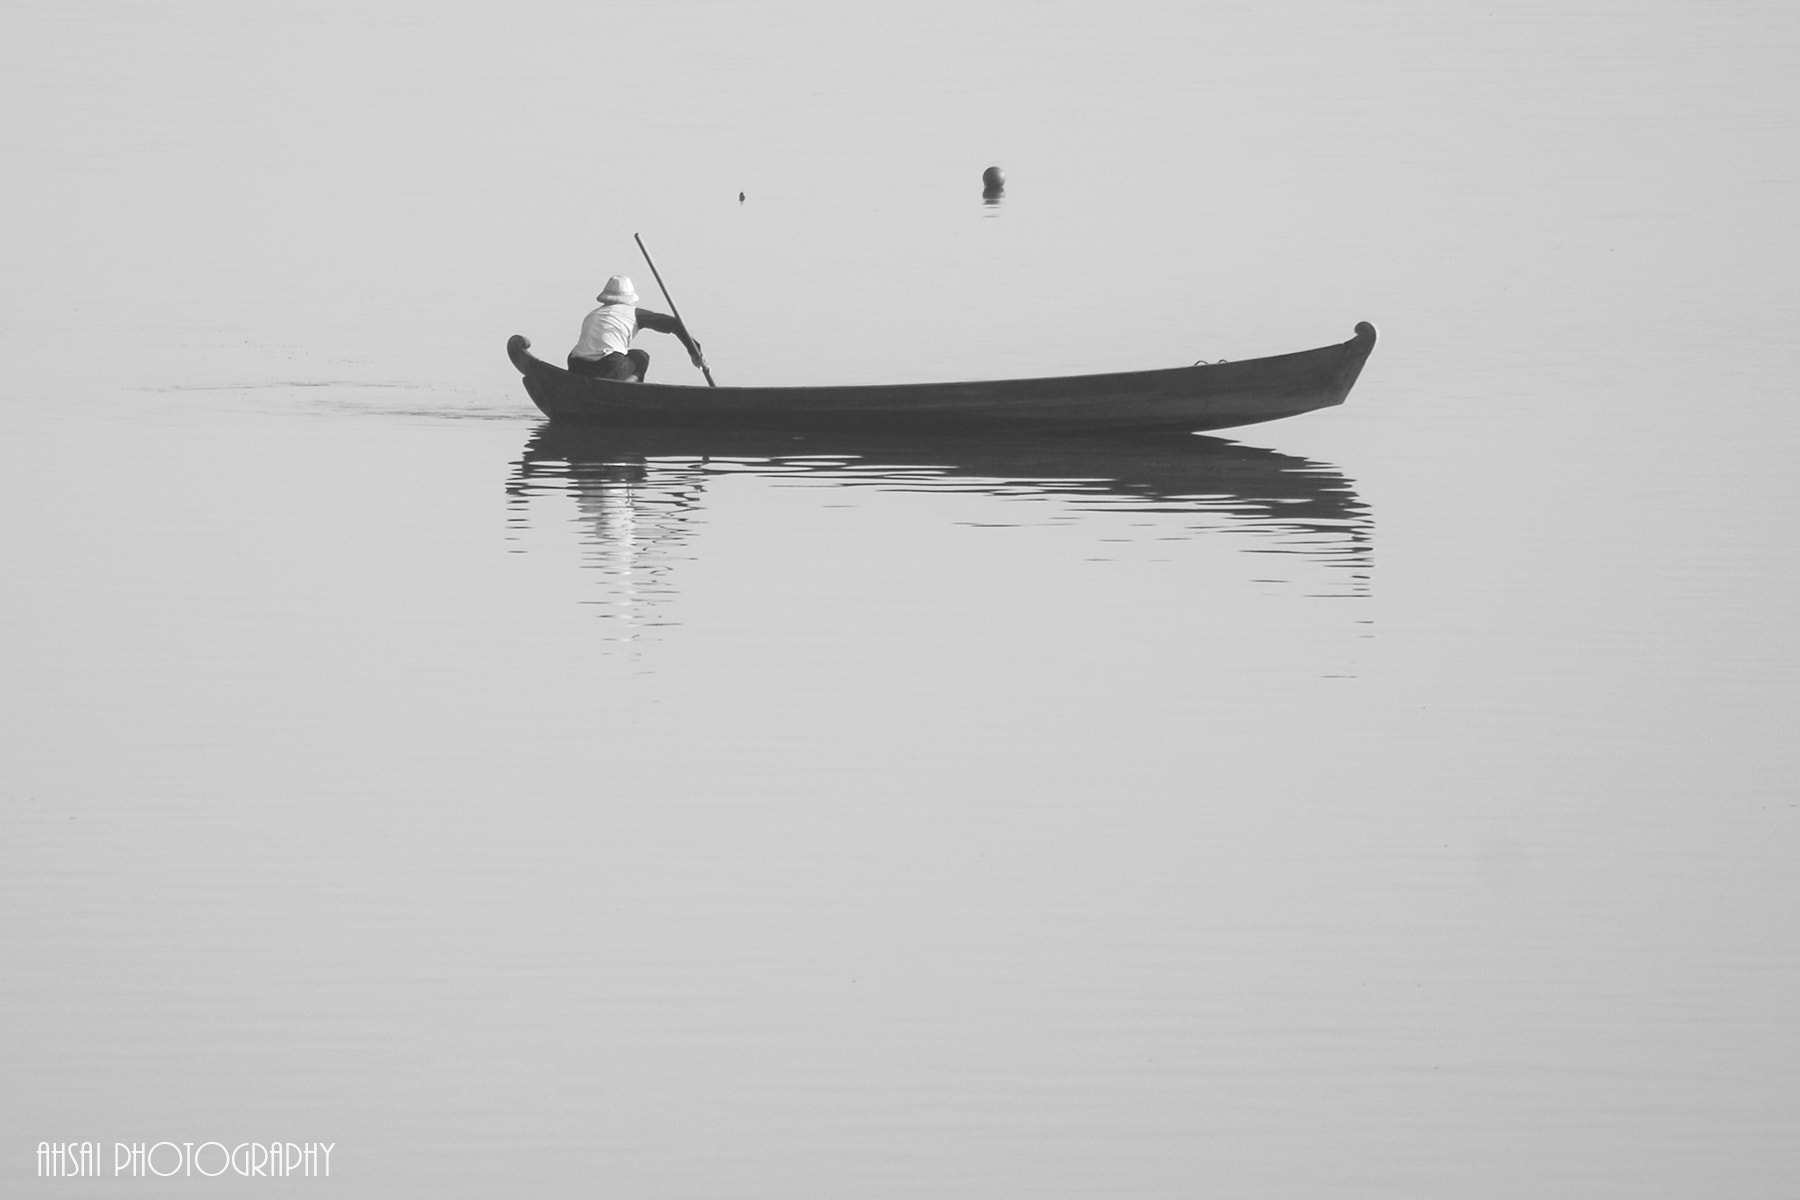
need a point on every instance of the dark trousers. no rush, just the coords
(613, 366)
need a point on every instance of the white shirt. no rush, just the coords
(607, 330)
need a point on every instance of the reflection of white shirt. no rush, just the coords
(607, 330)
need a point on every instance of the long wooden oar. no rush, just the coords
(704, 369)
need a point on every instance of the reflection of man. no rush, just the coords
(604, 350)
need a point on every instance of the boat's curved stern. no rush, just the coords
(542, 382)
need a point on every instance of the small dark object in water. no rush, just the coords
(740, 197)
(993, 186)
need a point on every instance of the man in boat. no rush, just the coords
(604, 350)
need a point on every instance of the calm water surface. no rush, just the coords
(1400, 800)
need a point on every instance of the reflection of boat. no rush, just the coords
(641, 490)
(637, 516)
(1177, 400)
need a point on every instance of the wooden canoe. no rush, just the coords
(1206, 396)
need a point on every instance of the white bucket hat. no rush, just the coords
(618, 291)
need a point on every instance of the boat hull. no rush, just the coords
(1207, 396)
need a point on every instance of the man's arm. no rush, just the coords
(663, 323)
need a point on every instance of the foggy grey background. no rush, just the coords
(755, 828)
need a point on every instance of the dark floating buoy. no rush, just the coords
(740, 197)
(993, 185)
